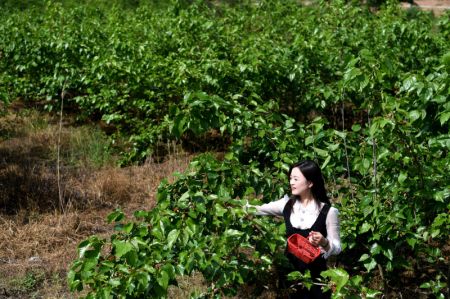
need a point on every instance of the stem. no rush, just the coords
(58, 171)
(448, 281)
(385, 291)
(314, 144)
(374, 152)
(417, 161)
(345, 149)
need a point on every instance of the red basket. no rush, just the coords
(302, 248)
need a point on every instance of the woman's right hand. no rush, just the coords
(317, 239)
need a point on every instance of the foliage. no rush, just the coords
(201, 224)
(364, 94)
(130, 75)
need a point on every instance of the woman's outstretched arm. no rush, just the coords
(274, 208)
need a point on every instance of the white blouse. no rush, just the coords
(304, 218)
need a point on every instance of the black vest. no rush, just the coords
(319, 264)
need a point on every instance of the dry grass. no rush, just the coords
(37, 240)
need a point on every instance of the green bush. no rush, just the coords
(129, 75)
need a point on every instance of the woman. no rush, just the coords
(308, 212)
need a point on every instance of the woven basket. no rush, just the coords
(302, 248)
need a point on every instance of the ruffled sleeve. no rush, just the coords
(274, 208)
(333, 233)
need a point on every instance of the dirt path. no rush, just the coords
(437, 6)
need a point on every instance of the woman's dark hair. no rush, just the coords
(312, 173)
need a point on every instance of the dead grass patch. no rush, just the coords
(36, 249)
(37, 241)
(188, 285)
(31, 238)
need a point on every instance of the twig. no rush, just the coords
(345, 148)
(58, 172)
(374, 152)
(385, 291)
(314, 145)
(448, 281)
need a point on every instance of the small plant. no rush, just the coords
(437, 286)
(29, 282)
(88, 146)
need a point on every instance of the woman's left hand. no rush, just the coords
(317, 239)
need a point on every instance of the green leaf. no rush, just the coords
(320, 152)
(363, 257)
(114, 282)
(82, 247)
(402, 177)
(339, 276)
(233, 233)
(116, 216)
(325, 163)
(140, 214)
(411, 242)
(444, 117)
(372, 293)
(356, 127)
(366, 163)
(365, 228)
(220, 210)
(257, 171)
(309, 140)
(295, 275)
(128, 227)
(121, 247)
(163, 279)
(200, 207)
(343, 135)
(389, 266)
(414, 115)
(389, 254)
(180, 126)
(89, 263)
(352, 73)
(370, 264)
(408, 83)
(183, 201)
(375, 249)
(229, 156)
(172, 237)
(425, 285)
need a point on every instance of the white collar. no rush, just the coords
(310, 207)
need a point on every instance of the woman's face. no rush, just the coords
(299, 184)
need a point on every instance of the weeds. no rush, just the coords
(29, 282)
(89, 148)
(21, 123)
